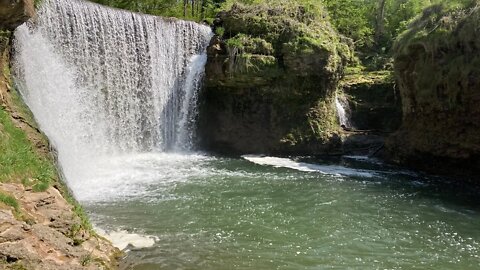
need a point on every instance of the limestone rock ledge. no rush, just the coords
(374, 103)
(44, 233)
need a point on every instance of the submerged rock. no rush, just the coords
(437, 65)
(271, 79)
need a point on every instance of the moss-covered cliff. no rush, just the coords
(437, 65)
(271, 78)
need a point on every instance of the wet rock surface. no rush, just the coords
(373, 100)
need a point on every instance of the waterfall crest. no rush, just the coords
(105, 81)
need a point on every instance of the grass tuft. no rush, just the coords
(10, 201)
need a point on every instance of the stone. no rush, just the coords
(374, 102)
(52, 242)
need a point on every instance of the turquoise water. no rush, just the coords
(222, 213)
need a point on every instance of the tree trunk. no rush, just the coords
(185, 6)
(202, 8)
(380, 25)
(193, 8)
(198, 7)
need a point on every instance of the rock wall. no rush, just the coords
(374, 101)
(15, 12)
(271, 78)
(437, 65)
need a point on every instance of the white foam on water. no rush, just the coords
(334, 170)
(123, 239)
(136, 175)
(365, 159)
(357, 157)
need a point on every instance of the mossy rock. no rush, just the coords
(271, 80)
(437, 66)
(374, 101)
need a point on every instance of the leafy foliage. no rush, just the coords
(360, 19)
(187, 9)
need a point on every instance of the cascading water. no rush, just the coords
(342, 114)
(126, 81)
(103, 82)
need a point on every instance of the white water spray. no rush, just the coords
(342, 114)
(104, 83)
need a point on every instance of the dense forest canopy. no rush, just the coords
(372, 24)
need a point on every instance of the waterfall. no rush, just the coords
(342, 113)
(107, 82)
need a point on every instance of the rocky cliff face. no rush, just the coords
(437, 65)
(271, 78)
(15, 12)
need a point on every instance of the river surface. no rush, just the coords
(202, 212)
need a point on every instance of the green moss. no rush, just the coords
(220, 31)
(37, 3)
(444, 43)
(248, 44)
(355, 76)
(281, 22)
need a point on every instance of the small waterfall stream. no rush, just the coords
(342, 113)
